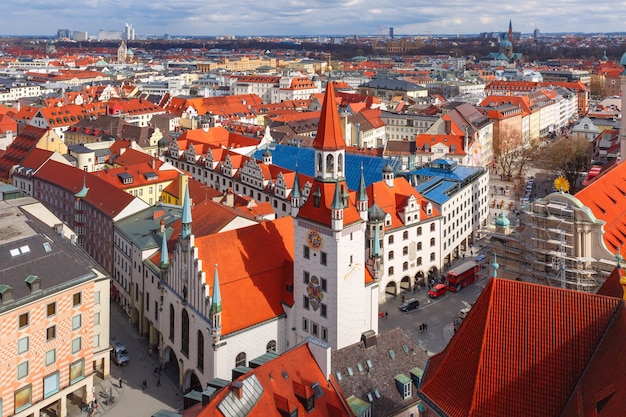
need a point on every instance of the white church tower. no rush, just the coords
(335, 298)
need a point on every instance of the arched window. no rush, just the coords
(432, 227)
(184, 332)
(432, 241)
(405, 235)
(419, 231)
(419, 261)
(200, 358)
(432, 256)
(172, 320)
(390, 271)
(271, 346)
(390, 255)
(405, 266)
(319, 162)
(405, 250)
(340, 163)
(419, 245)
(330, 163)
(240, 360)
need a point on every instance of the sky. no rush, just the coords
(309, 17)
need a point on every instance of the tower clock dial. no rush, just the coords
(314, 239)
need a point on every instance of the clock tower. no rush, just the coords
(335, 298)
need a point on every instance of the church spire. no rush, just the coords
(329, 135)
(186, 218)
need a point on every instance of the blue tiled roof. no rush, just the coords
(288, 156)
(440, 182)
(436, 189)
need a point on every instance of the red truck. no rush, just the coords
(461, 276)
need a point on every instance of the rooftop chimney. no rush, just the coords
(238, 389)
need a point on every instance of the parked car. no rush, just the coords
(464, 312)
(409, 305)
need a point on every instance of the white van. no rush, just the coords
(119, 354)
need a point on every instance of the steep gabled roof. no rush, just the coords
(523, 350)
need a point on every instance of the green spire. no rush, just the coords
(295, 192)
(376, 242)
(362, 195)
(337, 205)
(186, 218)
(216, 300)
(165, 257)
(495, 266)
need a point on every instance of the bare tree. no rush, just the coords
(566, 157)
(511, 155)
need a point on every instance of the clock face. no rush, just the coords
(314, 239)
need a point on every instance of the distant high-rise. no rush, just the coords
(63, 33)
(80, 36)
(536, 33)
(129, 32)
(391, 33)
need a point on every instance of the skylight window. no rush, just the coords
(24, 249)
(47, 247)
(14, 252)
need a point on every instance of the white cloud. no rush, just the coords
(200, 17)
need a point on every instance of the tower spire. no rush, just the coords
(186, 218)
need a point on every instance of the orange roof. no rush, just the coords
(253, 285)
(527, 349)
(606, 198)
(393, 199)
(329, 134)
(103, 196)
(141, 174)
(449, 140)
(285, 380)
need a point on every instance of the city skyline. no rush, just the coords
(315, 17)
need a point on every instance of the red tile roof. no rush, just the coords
(606, 198)
(105, 197)
(524, 349)
(253, 285)
(329, 134)
(393, 199)
(26, 140)
(302, 371)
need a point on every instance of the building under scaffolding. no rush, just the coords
(557, 242)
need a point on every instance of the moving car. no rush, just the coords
(119, 354)
(437, 291)
(409, 305)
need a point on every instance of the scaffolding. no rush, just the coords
(549, 245)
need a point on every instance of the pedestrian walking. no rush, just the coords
(386, 314)
(144, 384)
(158, 382)
(425, 327)
(403, 298)
(120, 382)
